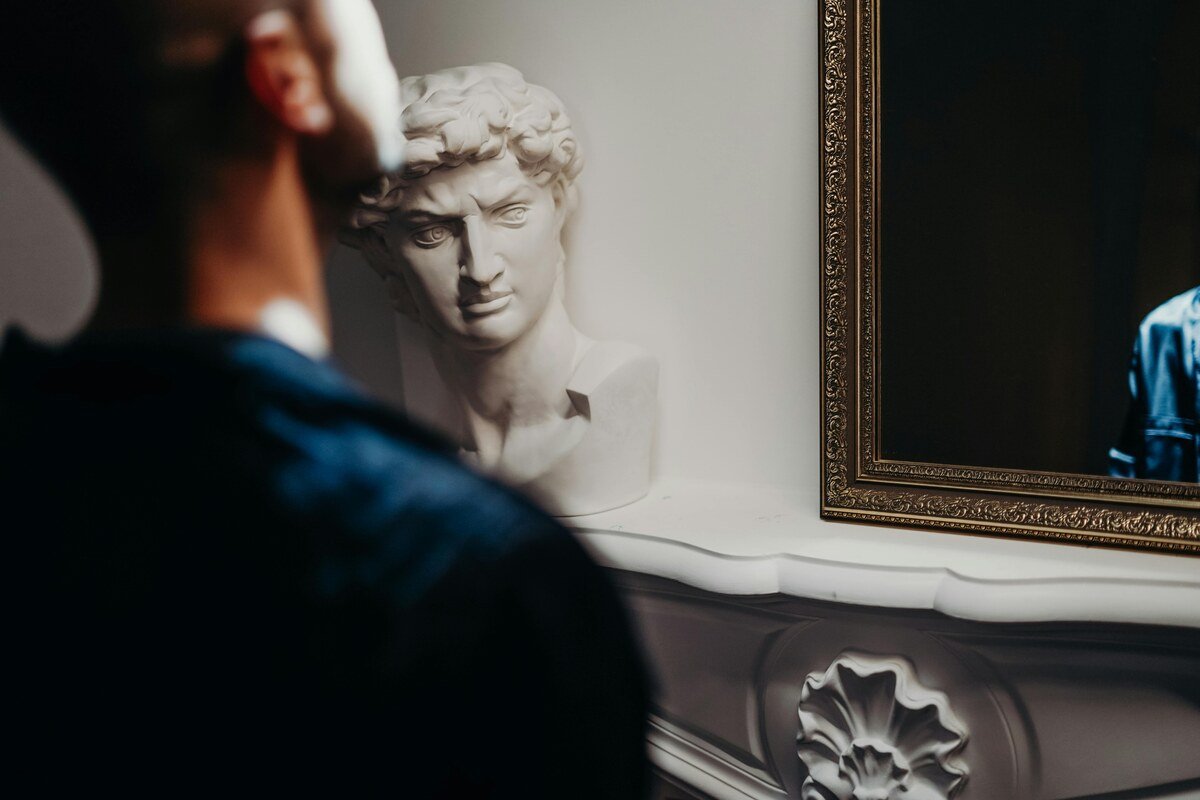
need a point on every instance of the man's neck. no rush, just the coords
(245, 257)
(254, 255)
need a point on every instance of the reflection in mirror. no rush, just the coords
(1039, 235)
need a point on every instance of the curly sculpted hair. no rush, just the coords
(468, 114)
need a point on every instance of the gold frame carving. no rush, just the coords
(857, 484)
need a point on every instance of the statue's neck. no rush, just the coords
(520, 385)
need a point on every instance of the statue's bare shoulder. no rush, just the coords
(609, 372)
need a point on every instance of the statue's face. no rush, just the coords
(479, 248)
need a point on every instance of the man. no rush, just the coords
(225, 566)
(467, 239)
(1161, 437)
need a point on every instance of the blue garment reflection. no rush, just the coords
(1160, 436)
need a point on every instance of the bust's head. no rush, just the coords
(467, 235)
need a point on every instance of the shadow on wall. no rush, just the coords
(364, 342)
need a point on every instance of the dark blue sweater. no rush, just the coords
(229, 567)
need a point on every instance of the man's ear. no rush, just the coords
(284, 75)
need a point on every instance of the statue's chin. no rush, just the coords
(478, 335)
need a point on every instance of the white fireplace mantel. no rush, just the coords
(765, 605)
(753, 540)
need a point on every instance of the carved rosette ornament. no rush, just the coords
(870, 731)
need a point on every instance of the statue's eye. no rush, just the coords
(513, 215)
(432, 235)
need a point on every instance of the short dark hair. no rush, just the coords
(120, 99)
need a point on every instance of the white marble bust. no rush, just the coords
(467, 239)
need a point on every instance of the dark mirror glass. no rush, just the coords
(1039, 213)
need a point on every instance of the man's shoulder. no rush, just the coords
(1181, 310)
(341, 456)
(1167, 335)
(398, 470)
(371, 486)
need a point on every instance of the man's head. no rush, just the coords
(467, 234)
(133, 104)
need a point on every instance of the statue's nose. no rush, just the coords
(479, 262)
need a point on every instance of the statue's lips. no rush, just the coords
(484, 304)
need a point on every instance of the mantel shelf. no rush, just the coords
(755, 540)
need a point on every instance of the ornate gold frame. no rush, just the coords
(856, 483)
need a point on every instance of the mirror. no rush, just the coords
(1011, 261)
